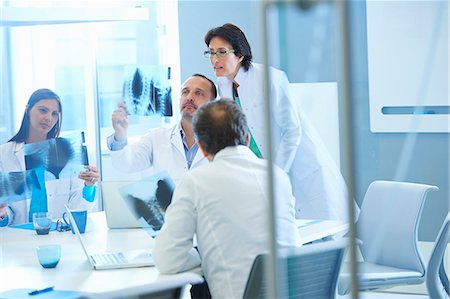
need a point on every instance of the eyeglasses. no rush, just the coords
(61, 226)
(219, 54)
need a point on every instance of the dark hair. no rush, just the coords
(38, 95)
(236, 38)
(213, 86)
(219, 124)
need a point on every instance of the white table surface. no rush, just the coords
(313, 230)
(19, 267)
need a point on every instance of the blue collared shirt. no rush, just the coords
(190, 152)
(115, 145)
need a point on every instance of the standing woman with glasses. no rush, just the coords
(241, 79)
(42, 121)
(318, 186)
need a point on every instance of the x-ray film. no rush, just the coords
(15, 186)
(147, 90)
(60, 157)
(148, 199)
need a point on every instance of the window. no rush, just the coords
(83, 61)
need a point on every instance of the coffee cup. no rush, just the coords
(42, 222)
(80, 217)
(48, 255)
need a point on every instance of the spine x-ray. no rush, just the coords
(147, 90)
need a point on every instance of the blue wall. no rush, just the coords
(378, 154)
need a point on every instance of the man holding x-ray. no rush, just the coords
(173, 149)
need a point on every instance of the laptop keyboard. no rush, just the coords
(109, 258)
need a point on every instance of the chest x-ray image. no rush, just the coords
(15, 186)
(56, 158)
(148, 199)
(60, 157)
(147, 90)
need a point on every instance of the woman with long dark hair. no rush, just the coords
(42, 121)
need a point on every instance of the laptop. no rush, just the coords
(113, 260)
(118, 214)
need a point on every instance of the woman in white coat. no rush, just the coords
(42, 121)
(318, 186)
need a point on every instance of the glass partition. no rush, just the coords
(346, 59)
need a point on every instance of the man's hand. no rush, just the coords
(120, 122)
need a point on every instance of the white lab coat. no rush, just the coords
(318, 186)
(59, 192)
(317, 183)
(161, 149)
(225, 204)
(285, 122)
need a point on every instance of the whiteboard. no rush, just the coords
(407, 44)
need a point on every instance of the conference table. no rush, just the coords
(19, 266)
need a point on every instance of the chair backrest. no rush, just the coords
(309, 272)
(388, 224)
(437, 279)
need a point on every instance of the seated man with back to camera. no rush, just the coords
(173, 149)
(225, 204)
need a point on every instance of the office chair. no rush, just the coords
(437, 279)
(171, 287)
(388, 227)
(308, 272)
